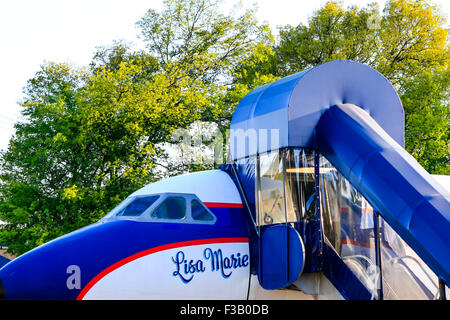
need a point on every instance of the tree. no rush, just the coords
(426, 102)
(193, 40)
(196, 45)
(406, 39)
(332, 33)
(406, 42)
(41, 169)
(412, 40)
(90, 137)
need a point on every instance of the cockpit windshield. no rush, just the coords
(163, 207)
(138, 206)
(173, 208)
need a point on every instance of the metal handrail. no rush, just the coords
(377, 274)
(396, 259)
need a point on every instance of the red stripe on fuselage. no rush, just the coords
(223, 205)
(138, 255)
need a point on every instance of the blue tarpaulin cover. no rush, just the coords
(293, 105)
(404, 193)
(3, 261)
(352, 115)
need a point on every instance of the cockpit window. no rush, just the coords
(199, 212)
(172, 208)
(183, 208)
(137, 206)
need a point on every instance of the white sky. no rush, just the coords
(35, 31)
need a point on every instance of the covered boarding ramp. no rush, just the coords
(321, 154)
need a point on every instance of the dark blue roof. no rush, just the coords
(293, 105)
(3, 261)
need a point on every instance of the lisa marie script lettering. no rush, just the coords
(213, 260)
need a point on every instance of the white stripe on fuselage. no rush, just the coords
(206, 271)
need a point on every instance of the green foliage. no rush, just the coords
(413, 40)
(406, 39)
(43, 159)
(332, 33)
(406, 42)
(90, 137)
(196, 45)
(427, 108)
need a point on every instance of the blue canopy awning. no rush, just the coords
(285, 113)
(3, 261)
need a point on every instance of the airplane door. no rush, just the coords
(280, 247)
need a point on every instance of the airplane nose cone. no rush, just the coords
(2, 290)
